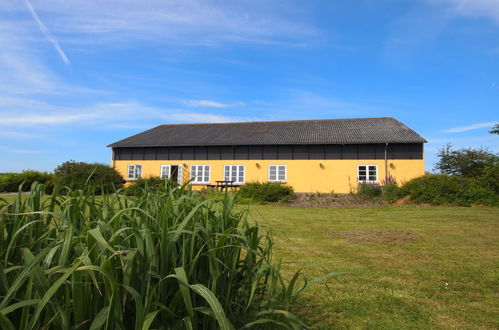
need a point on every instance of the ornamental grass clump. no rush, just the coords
(164, 259)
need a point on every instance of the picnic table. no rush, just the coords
(225, 184)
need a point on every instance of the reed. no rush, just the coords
(167, 258)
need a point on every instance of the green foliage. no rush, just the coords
(266, 192)
(490, 178)
(165, 259)
(368, 191)
(392, 192)
(80, 175)
(466, 162)
(440, 189)
(144, 184)
(12, 182)
(495, 129)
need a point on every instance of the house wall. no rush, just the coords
(304, 175)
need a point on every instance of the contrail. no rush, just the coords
(46, 32)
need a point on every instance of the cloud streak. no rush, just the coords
(467, 128)
(212, 104)
(187, 22)
(31, 114)
(46, 32)
(472, 8)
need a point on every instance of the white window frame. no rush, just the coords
(367, 181)
(136, 174)
(277, 173)
(168, 173)
(197, 180)
(236, 179)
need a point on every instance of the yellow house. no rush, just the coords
(309, 155)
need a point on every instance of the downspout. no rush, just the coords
(112, 157)
(386, 163)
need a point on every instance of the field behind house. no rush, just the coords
(419, 267)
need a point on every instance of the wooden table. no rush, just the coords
(224, 184)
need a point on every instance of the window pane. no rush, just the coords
(282, 173)
(206, 173)
(232, 172)
(241, 174)
(272, 173)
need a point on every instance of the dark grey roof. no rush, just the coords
(324, 131)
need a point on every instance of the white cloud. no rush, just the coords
(207, 104)
(171, 21)
(472, 8)
(195, 117)
(10, 135)
(471, 127)
(19, 112)
(20, 151)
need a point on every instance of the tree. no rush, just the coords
(467, 162)
(495, 129)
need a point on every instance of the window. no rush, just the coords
(367, 174)
(200, 173)
(134, 172)
(277, 173)
(234, 173)
(165, 172)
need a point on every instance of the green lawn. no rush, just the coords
(445, 278)
(442, 273)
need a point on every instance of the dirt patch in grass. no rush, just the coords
(370, 235)
(319, 200)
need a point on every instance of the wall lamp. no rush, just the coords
(257, 165)
(322, 166)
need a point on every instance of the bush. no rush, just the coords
(79, 175)
(153, 183)
(490, 178)
(392, 192)
(11, 182)
(441, 189)
(368, 191)
(165, 259)
(266, 192)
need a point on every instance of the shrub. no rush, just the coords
(146, 184)
(166, 259)
(368, 191)
(11, 182)
(266, 192)
(80, 175)
(489, 178)
(392, 192)
(452, 190)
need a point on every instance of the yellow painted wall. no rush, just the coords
(302, 175)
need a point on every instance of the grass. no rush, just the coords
(447, 278)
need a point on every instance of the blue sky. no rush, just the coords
(77, 75)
